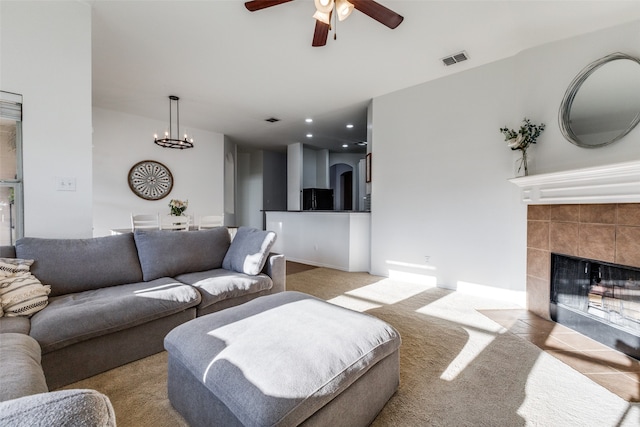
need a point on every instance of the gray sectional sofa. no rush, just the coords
(113, 299)
(24, 397)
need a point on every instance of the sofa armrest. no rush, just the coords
(20, 369)
(76, 407)
(276, 268)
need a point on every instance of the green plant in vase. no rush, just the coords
(522, 138)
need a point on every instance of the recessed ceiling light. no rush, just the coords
(349, 126)
(309, 135)
(308, 120)
(345, 145)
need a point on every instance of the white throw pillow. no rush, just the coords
(21, 293)
(249, 251)
(11, 266)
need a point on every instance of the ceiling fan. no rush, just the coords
(342, 8)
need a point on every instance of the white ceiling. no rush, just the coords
(232, 68)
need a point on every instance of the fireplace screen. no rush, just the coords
(606, 292)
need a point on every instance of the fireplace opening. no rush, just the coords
(598, 299)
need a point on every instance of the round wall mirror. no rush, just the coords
(602, 104)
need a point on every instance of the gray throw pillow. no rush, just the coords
(249, 250)
(170, 253)
(76, 265)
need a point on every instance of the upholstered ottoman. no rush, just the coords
(282, 360)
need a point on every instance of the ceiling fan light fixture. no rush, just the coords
(325, 6)
(344, 9)
(323, 17)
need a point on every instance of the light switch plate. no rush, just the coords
(66, 183)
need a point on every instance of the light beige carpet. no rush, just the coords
(458, 368)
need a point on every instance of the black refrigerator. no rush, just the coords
(317, 199)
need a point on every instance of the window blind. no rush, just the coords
(11, 106)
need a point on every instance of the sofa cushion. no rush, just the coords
(20, 325)
(21, 373)
(75, 407)
(249, 250)
(107, 310)
(8, 251)
(76, 265)
(170, 253)
(220, 284)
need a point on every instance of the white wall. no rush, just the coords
(274, 189)
(315, 168)
(322, 168)
(121, 140)
(250, 189)
(230, 180)
(46, 56)
(440, 165)
(294, 176)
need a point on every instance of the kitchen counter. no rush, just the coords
(334, 239)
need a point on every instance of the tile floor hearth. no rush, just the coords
(612, 369)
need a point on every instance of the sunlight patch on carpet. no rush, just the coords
(477, 342)
(376, 295)
(354, 303)
(388, 291)
(455, 308)
(461, 311)
(601, 405)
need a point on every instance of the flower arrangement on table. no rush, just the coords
(178, 207)
(522, 138)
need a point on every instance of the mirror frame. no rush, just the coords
(572, 91)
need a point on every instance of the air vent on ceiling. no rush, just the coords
(271, 120)
(455, 58)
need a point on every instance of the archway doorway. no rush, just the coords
(346, 190)
(341, 181)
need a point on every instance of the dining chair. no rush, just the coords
(210, 221)
(176, 223)
(145, 221)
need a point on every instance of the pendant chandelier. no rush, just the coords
(169, 141)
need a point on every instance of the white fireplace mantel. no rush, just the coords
(614, 183)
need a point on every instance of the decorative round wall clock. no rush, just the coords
(150, 180)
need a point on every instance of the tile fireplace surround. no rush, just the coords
(604, 232)
(590, 213)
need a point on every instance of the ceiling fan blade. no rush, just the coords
(320, 34)
(378, 12)
(254, 5)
